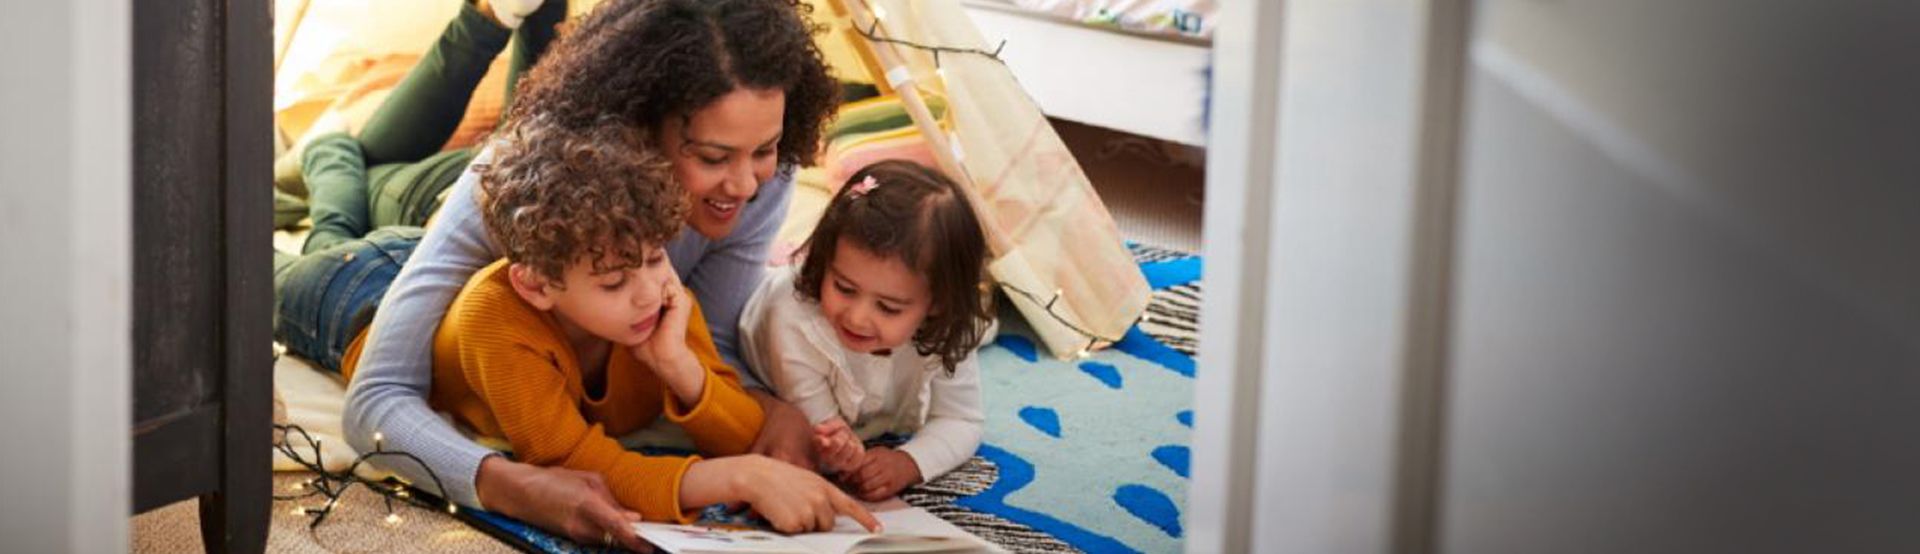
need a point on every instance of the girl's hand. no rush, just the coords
(838, 448)
(882, 474)
(794, 500)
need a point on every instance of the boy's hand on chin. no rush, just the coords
(665, 352)
(666, 349)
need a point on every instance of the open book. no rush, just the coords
(906, 529)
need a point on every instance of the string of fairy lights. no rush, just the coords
(332, 485)
(872, 32)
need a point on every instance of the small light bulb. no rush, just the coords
(393, 519)
(377, 437)
(879, 13)
(401, 494)
(299, 486)
(452, 509)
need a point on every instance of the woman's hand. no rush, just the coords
(575, 504)
(794, 500)
(786, 435)
(839, 449)
(666, 352)
(882, 475)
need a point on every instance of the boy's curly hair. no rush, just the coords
(919, 216)
(647, 60)
(553, 195)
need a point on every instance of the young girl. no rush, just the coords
(875, 333)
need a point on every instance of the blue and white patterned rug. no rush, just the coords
(1079, 455)
(1089, 454)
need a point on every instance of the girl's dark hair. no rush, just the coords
(647, 60)
(921, 217)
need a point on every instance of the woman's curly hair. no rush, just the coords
(647, 60)
(919, 216)
(554, 195)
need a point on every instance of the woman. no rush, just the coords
(735, 93)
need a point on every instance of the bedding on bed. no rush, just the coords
(1186, 18)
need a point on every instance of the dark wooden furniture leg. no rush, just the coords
(236, 518)
(203, 366)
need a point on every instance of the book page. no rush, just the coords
(906, 529)
(693, 539)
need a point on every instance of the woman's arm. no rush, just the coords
(388, 396)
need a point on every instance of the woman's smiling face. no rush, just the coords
(723, 152)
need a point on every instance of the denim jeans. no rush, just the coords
(324, 299)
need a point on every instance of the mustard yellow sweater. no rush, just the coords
(505, 370)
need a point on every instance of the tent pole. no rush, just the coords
(937, 140)
(293, 28)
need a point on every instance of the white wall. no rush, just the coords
(65, 261)
(1688, 307)
(1309, 232)
(1530, 276)
(1235, 239)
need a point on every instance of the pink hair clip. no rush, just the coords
(864, 186)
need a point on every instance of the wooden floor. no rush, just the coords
(1154, 191)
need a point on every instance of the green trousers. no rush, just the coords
(393, 173)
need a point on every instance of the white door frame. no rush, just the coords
(68, 296)
(1331, 167)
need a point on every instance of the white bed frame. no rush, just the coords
(1147, 85)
